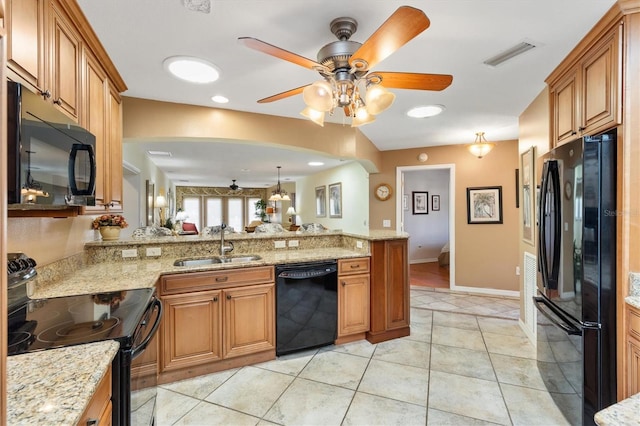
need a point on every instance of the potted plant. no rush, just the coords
(109, 226)
(261, 210)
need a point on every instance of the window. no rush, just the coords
(205, 210)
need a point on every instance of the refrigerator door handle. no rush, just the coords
(565, 323)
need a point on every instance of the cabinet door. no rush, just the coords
(565, 102)
(249, 320)
(25, 40)
(114, 147)
(397, 284)
(191, 329)
(64, 62)
(353, 304)
(633, 359)
(94, 106)
(601, 85)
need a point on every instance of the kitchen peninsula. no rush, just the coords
(102, 268)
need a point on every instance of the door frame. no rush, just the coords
(400, 171)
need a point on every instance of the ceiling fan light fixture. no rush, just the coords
(378, 99)
(480, 147)
(192, 69)
(319, 96)
(313, 115)
(425, 111)
(361, 117)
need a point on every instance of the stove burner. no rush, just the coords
(19, 342)
(69, 332)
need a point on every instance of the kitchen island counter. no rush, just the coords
(55, 386)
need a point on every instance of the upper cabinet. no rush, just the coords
(53, 51)
(585, 93)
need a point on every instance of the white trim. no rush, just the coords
(487, 291)
(452, 209)
(428, 260)
(130, 168)
(532, 337)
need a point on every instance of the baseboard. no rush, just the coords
(428, 260)
(486, 291)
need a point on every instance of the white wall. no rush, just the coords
(355, 198)
(429, 232)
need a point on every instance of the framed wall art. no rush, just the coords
(484, 205)
(435, 203)
(528, 196)
(420, 202)
(335, 200)
(150, 202)
(321, 201)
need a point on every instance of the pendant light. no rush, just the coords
(279, 194)
(480, 147)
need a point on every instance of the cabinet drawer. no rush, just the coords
(181, 283)
(99, 404)
(353, 266)
(634, 323)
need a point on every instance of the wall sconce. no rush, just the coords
(480, 147)
(161, 203)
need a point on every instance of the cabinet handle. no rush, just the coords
(215, 299)
(573, 132)
(221, 279)
(46, 94)
(344, 283)
(228, 297)
(57, 102)
(355, 266)
(581, 128)
(92, 422)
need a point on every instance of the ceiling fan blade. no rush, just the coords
(283, 95)
(410, 80)
(402, 26)
(269, 49)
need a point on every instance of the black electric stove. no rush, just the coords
(131, 317)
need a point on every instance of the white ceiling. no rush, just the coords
(140, 34)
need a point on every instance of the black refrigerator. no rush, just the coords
(576, 300)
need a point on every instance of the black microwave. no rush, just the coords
(51, 161)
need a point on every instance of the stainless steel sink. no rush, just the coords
(216, 259)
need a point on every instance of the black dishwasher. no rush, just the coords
(306, 305)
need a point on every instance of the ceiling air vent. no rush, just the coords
(509, 53)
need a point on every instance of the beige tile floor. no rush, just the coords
(467, 362)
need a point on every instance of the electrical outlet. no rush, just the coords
(293, 243)
(517, 270)
(281, 244)
(130, 253)
(154, 251)
(386, 223)
(358, 244)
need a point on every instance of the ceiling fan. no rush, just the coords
(233, 185)
(348, 82)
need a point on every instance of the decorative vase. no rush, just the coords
(110, 233)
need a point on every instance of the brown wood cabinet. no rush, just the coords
(586, 98)
(389, 290)
(353, 296)
(633, 351)
(25, 41)
(98, 412)
(249, 320)
(216, 320)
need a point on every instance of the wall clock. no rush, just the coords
(383, 192)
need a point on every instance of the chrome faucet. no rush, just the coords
(224, 249)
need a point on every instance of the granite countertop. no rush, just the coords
(115, 276)
(633, 298)
(55, 386)
(625, 412)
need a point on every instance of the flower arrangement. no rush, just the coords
(110, 220)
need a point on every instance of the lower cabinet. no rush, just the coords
(633, 351)
(98, 412)
(217, 320)
(353, 296)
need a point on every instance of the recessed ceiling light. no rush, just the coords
(219, 99)
(160, 153)
(191, 69)
(315, 163)
(425, 111)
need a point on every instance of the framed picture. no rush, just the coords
(435, 203)
(321, 201)
(150, 202)
(420, 202)
(405, 202)
(335, 200)
(484, 205)
(528, 196)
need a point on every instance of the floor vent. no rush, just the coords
(530, 274)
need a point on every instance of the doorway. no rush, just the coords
(131, 190)
(426, 211)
